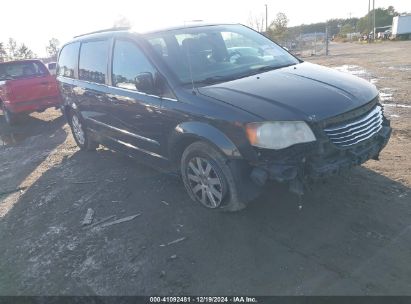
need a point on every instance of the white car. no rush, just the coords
(51, 66)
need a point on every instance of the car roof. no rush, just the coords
(21, 60)
(182, 26)
(130, 30)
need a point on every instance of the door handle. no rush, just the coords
(92, 93)
(113, 99)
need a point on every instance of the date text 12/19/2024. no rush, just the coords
(235, 299)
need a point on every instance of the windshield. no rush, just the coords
(21, 69)
(218, 53)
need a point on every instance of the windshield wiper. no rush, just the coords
(272, 67)
(220, 78)
(215, 79)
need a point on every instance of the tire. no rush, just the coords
(80, 134)
(9, 117)
(207, 175)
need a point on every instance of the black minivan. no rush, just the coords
(222, 104)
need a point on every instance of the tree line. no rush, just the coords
(15, 51)
(278, 29)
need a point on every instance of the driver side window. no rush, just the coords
(128, 63)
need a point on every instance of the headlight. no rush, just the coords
(278, 134)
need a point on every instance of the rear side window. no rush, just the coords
(128, 62)
(22, 69)
(93, 61)
(67, 60)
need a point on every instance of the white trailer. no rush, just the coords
(401, 26)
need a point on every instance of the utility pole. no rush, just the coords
(266, 18)
(326, 41)
(373, 8)
(369, 21)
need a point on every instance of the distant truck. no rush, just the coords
(26, 86)
(51, 66)
(401, 27)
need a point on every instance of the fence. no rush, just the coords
(305, 45)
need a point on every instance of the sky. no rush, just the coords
(35, 22)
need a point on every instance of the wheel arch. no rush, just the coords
(66, 111)
(186, 133)
(70, 108)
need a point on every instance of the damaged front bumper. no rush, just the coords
(308, 162)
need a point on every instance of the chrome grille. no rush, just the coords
(358, 130)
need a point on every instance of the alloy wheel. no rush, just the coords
(205, 182)
(78, 129)
(6, 114)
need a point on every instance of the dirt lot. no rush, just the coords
(353, 235)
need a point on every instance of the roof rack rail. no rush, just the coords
(113, 29)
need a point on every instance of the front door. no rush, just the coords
(134, 114)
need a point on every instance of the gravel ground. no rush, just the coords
(352, 237)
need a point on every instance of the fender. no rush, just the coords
(206, 131)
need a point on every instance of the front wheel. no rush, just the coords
(208, 178)
(8, 116)
(79, 131)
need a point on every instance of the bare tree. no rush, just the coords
(257, 22)
(3, 53)
(53, 48)
(122, 21)
(12, 49)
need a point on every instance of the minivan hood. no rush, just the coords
(301, 92)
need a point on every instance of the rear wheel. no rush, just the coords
(79, 131)
(8, 116)
(208, 178)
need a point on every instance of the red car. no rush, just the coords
(26, 86)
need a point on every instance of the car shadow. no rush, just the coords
(23, 148)
(349, 237)
(27, 126)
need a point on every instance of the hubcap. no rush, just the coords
(77, 129)
(6, 114)
(205, 183)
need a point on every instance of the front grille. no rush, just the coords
(354, 131)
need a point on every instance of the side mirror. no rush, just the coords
(144, 82)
